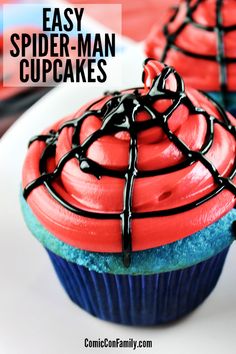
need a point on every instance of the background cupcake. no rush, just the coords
(133, 198)
(199, 41)
(14, 100)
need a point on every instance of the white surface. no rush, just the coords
(36, 316)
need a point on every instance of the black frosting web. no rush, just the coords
(119, 114)
(220, 31)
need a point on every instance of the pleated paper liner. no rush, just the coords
(139, 299)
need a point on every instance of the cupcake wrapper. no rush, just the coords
(139, 299)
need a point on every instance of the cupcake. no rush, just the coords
(199, 41)
(133, 198)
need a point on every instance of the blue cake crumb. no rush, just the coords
(177, 255)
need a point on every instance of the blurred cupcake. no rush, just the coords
(14, 99)
(199, 41)
(133, 197)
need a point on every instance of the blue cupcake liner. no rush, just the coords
(139, 299)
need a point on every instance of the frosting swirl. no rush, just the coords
(156, 161)
(199, 41)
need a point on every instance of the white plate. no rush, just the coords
(36, 316)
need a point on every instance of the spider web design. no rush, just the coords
(119, 114)
(220, 31)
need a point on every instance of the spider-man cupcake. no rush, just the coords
(199, 41)
(133, 197)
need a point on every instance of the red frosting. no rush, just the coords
(155, 151)
(199, 73)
